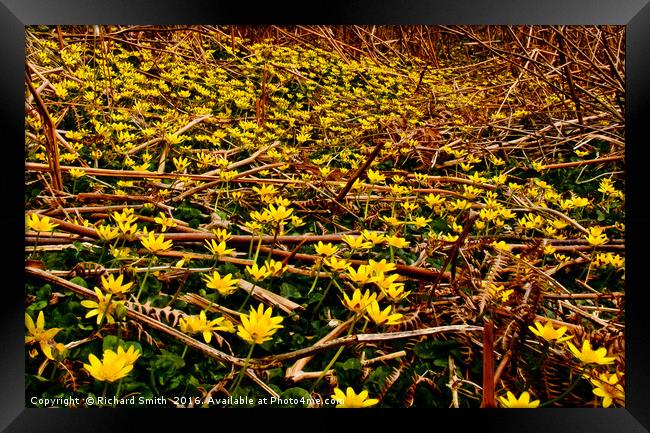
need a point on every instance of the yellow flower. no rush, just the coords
(448, 237)
(361, 276)
(181, 163)
(506, 213)
(397, 190)
(549, 333)
(40, 224)
(501, 245)
(357, 242)
(581, 153)
(607, 187)
(219, 249)
(225, 285)
(530, 221)
(589, 356)
(325, 171)
(488, 214)
(566, 204)
(263, 217)
(359, 301)
(542, 184)
(338, 265)
(397, 242)
(608, 388)
(274, 267)
(395, 292)
(420, 222)
(434, 200)
(280, 213)
(114, 285)
(595, 236)
(297, 221)
(471, 192)
(561, 257)
(125, 217)
(375, 176)
(523, 402)
(409, 207)
(266, 190)
(77, 173)
(112, 367)
(38, 334)
(500, 179)
(155, 244)
(549, 231)
(459, 204)
(228, 175)
(127, 228)
(466, 166)
(380, 317)
(258, 326)
(351, 399)
(165, 222)
(579, 202)
(456, 227)
(222, 235)
(549, 249)
(102, 307)
(236, 195)
(477, 178)
(421, 178)
(537, 166)
(120, 253)
(604, 259)
(130, 355)
(384, 281)
(381, 266)
(258, 273)
(326, 249)
(391, 221)
(107, 233)
(253, 226)
(200, 324)
(496, 160)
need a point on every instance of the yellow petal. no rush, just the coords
(29, 323)
(370, 402)
(47, 350)
(40, 321)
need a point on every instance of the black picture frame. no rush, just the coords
(15, 14)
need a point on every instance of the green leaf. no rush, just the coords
(110, 342)
(289, 291)
(79, 281)
(36, 306)
(348, 372)
(351, 364)
(44, 292)
(297, 397)
(164, 368)
(434, 349)
(441, 362)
